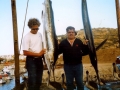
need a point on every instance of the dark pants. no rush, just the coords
(74, 71)
(35, 71)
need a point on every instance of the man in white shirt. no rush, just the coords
(33, 50)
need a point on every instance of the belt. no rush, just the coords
(33, 57)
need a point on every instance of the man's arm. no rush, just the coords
(85, 48)
(28, 53)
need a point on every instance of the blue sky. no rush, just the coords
(102, 13)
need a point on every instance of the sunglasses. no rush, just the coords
(35, 29)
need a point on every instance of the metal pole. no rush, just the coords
(16, 51)
(118, 19)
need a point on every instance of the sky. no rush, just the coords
(102, 13)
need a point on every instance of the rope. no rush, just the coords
(24, 24)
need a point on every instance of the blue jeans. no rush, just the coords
(35, 71)
(74, 71)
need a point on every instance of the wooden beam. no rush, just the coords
(16, 51)
(118, 18)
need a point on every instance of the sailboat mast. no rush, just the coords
(16, 51)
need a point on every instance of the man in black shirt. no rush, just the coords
(73, 49)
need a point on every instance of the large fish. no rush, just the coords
(49, 35)
(89, 36)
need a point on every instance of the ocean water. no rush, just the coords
(9, 85)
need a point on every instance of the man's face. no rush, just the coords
(71, 34)
(34, 29)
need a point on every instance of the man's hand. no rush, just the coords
(42, 52)
(85, 42)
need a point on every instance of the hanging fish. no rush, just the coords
(49, 35)
(89, 36)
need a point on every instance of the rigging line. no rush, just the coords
(24, 25)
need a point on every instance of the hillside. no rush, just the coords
(100, 34)
(104, 55)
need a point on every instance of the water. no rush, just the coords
(9, 85)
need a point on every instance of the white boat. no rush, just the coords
(5, 69)
(8, 70)
(2, 81)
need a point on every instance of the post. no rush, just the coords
(118, 19)
(16, 51)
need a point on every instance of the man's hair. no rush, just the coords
(71, 28)
(32, 22)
